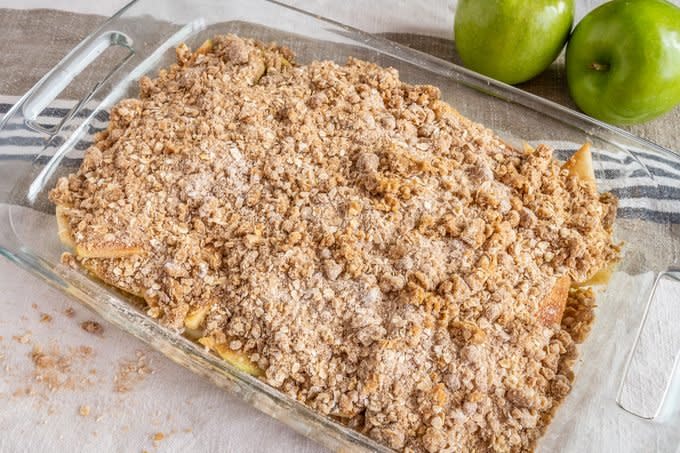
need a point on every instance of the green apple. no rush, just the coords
(511, 40)
(623, 61)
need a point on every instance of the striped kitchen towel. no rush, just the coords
(647, 184)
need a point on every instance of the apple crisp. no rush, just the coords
(350, 239)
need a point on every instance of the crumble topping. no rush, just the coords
(378, 256)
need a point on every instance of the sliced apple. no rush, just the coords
(195, 317)
(205, 47)
(66, 237)
(551, 308)
(601, 277)
(193, 321)
(107, 252)
(64, 228)
(95, 268)
(236, 358)
(581, 164)
(440, 108)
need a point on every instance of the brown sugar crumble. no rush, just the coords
(61, 370)
(45, 318)
(131, 372)
(22, 339)
(368, 250)
(92, 327)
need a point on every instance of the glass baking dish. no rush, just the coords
(626, 392)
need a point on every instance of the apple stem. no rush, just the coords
(599, 66)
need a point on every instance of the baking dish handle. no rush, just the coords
(22, 137)
(650, 388)
(50, 86)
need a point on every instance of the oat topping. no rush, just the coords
(375, 254)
